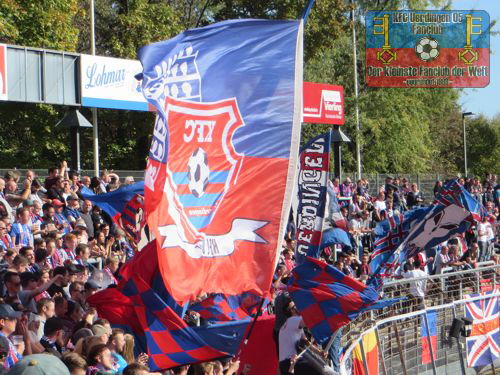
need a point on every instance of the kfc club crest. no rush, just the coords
(199, 176)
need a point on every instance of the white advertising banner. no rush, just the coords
(108, 82)
(3, 72)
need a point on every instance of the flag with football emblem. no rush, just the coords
(223, 158)
(401, 237)
(124, 205)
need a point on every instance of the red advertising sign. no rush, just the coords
(3, 72)
(323, 103)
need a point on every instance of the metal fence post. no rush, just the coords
(381, 352)
(400, 350)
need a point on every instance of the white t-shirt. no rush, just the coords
(482, 227)
(490, 233)
(417, 288)
(290, 333)
(379, 205)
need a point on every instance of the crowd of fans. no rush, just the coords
(361, 213)
(57, 249)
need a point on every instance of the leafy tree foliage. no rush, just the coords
(402, 130)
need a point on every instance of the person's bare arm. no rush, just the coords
(42, 288)
(63, 170)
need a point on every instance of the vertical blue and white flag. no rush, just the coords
(312, 191)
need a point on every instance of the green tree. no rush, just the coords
(483, 145)
(27, 134)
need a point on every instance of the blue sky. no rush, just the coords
(485, 100)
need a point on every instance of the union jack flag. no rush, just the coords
(483, 345)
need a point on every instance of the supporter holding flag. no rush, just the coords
(124, 205)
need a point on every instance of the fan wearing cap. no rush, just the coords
(40, 364)
(8, 321)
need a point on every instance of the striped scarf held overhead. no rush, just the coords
(13, 357)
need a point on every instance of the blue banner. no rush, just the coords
(312, 190)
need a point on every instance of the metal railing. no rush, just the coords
(398, 327)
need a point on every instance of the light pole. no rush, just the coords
(95, 132)
(356, 94)
(464, 115)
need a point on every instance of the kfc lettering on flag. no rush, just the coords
(323, 103)
(3, 72)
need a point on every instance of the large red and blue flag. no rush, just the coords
(483, 344)
(312, 191)
(141, 305)
(327, 299)
(223, 158)
(401, 237)
(124, 205)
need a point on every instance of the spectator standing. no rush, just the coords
(45, 310)
(414, 197)
(21, 232)
(417, 287)
(53, 337)
(86, 216)
(482, 238)
(8, 322)
(29, 282)
(442, 260)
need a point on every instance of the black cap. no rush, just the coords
(72, 270)
(6, 311)
(91, 284)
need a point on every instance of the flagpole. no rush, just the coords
(356, 93)
(257, 314)
(307, 10)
